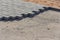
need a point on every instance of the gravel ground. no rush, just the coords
(45, 26)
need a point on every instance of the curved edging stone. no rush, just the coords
(29, 15)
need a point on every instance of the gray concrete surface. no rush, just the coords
(17, 7)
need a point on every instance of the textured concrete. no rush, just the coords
(17, 7)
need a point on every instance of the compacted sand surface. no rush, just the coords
(45, 26)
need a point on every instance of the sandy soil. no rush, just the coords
(45, 26)
(51, 3)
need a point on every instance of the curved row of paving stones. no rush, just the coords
(29, 15)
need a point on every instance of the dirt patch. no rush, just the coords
(51, 3)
